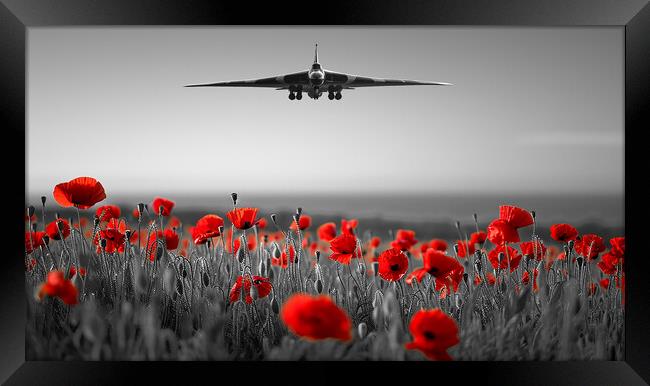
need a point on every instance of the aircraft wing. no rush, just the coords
(355, 81)
(279, 82)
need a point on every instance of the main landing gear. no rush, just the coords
(297, 95)
(332, 95)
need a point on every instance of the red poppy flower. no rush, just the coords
(433, 333)
(533, 249)
(606, 266)
(477, 280)
(444, 285)
(618, 246)
(417, 274)
(174, 222)
(604, 283)
(73, 271)
(392, 264)
(261, 223)
(478, 238)
(283, 260)
(316, 317)
(114, 240)
(250, 242)
(375, 242)
(404, 239)
(344, 248)
(162, 204)
(81, 192)
(438, 245)
(491, 278)
(243, 218)
(589, 246)
(510, 254)
(57, 285)
(33, 240)
(170, 239)
(499, 232)
(107, 212)
(463, 248)
(438, 264)
(262, 284)
(348, 226)
(515, 217)
(563, 232)
(53, 232)
(136, 213)
(327, 231)
(525, 279)
(303, 223)
(206, 228)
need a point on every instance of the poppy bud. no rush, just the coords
(241, 255)
(456, 247)
(140, 209)
(571, 244)
(182, 270)
(234, 198)
(43, 199)
(296, 218)
(266, 238)
(102, 243)
(179, 286)
(276, 251)
(299, 211)
(60, 225)
(127, 233)
(317, 256)
(318, 286)
(221, 229)
(169, 279)
(30, 210)
(580, 261)
(532, 213)
(274, 218)
(477, 264)
(160, 210)
(274, 306)
(208, 242)
(206, 279)
(501, 256)
(363, 330)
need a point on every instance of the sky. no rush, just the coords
(532, 110)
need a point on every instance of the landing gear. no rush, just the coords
(330, 95)
(299, 95)
(292, 96)
(338, 96)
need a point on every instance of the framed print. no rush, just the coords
(424, 188)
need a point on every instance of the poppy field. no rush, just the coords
(137, 283)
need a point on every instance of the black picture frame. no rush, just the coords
(17, 16)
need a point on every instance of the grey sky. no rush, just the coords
(531, 110)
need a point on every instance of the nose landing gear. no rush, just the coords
(338, 96)
(292, 96)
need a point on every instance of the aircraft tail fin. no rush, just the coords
(316, 54)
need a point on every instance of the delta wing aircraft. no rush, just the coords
(315, 81)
